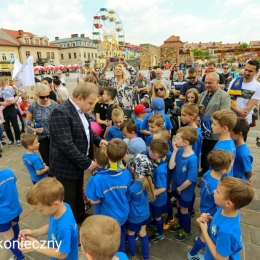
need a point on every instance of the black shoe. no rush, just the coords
(201, 173)
(198, 185)
(192, 213)
(3, 143)
(174, 203)
(22, 131)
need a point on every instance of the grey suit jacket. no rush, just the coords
(220, 100)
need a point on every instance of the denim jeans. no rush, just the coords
(11, 118)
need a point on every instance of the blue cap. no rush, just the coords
(136, 145)
(158, 106)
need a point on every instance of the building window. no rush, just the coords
(92, 55)
(74, 44)
(88, 56)
(26, 40)
(39, 55)
(68, 44)
(48, 55)
(27, 54)
(37, 42)
(61, 56)
(4, 57)
(84, 54)
(52, 55)
(87, 44)
(12, 56)
(69, 55)
(96, 55)
(45, 42)
(75, 55)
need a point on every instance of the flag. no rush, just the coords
(25, 75)
(12, 60)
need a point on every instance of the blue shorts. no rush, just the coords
(6, 226)
(156, 212)
(182, 203)
(136, 227)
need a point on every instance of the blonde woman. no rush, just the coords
(160, 90)
(124, 85)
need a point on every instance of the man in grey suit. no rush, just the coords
(213, 99)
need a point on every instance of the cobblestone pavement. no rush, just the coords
(167, 249)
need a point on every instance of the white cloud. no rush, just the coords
(235, 2)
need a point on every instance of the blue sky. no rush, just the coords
(144, 21)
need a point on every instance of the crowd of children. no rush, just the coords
(140, 171)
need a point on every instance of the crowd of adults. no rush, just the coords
(66, 138)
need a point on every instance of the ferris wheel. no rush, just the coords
(108, 34)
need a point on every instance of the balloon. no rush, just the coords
(96, 128)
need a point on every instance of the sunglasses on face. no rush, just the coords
(43, 97)
(157, 89)
(191, 77)
(225, 68)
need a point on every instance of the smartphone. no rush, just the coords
(113, 59)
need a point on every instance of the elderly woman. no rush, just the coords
(124, 85)
(159, 90)
(40, 111)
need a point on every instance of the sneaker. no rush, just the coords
(156, 237)
(10, 143)
(3, 137)
(174, 203)
(151, 226)
(22, 131)
(195, 257)
(182, 235)
(196, 238)
(3, 143)
(167, 224)
(198, 185)
(175, 227)
(192, 213)
(18, 142)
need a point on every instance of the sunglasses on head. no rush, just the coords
(157, 89)
(43, 97)
(191, 77)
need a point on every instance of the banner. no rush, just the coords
(25, 75)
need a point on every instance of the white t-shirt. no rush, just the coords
(242, 102)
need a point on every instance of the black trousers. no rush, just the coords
(44, 150)
(73, 195)
(207, 146)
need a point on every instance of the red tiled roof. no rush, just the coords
(255, 42)
(230, 45)
(173, 38)
(16, 35)
(5, 42)
(203, 45)
(171, 44)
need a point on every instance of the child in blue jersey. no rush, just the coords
(118, 118)
(140, 192)
(100, 239)
(185, 164)
(157, 152)
(221, 161)
(33, 162)
(222, 234)
(165, 135)
(10, 209)
(140, 112)
(243, 167)
(223, 122)
(158, 107)
(46, 196)
(155, 123)
(109, 187)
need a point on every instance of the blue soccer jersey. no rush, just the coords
(33, 163)
(207, 187)
(114, 132)
(111, 187)
(186, 168)
(229, 146)
(138, 203)
(138, 123)
(63, 231)
(243, 162)
(160, 181)
(196, 147)
(225, 232)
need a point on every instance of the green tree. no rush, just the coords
(243, 45)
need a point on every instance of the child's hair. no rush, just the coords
(112, 92)
(142, 169)
(145, 103)
(27, 139)
(193, 91)
(160, 147)
(192, 109)
(241, 126)
(100, 237)
(165, 135)
(117, 111)
(157, 119)
(116, 149)
(101, 158)
(3, 82)
(45, 192)
(238, 191)
(100, 91)
(225, 117)
(188, 133)
(24, 95)
(130, 125)
(220, 159)
(91, 79)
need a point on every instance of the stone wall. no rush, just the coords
(149, 56)
(170, 54)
